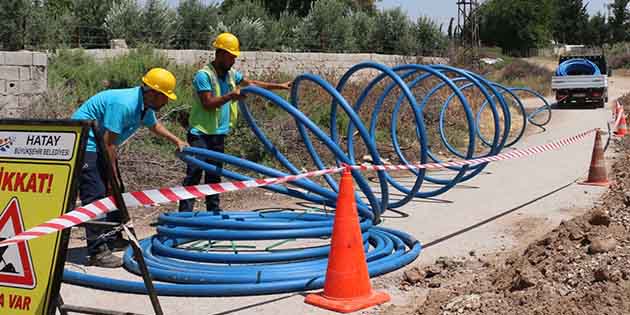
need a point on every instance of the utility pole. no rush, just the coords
(467, 32)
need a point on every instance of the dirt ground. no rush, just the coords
(580, 267)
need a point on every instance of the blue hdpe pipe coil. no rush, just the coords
(181, 270)
(578, 66)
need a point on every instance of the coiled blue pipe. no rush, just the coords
(578, 66)
(190, 273)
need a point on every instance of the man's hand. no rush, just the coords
(286, 85)
(236, 95)
(181, 145)
(161, 131)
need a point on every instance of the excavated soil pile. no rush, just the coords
(581, 267)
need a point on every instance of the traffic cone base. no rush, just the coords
(347, 305)
(601, 184)
(347, 285)
(597, 171)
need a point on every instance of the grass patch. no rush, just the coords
(515, 72)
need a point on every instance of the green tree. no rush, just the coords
(363, 31)
(246, 8)
(516, 25)
(619, 20)
(246, 20)
(597, 31)
(280, 33)
(394, 34)
(158, 23)
(328, 27)
(301, 8)
(13, 17)
(194, 22)
(570, 20)
(35, 24)
(58, 8)
(368, 6)
(89, 17)
(275, 7)
(123, 21)
(56, 22)
(428, 36)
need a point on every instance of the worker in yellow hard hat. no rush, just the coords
(118, 114)
(215, 110)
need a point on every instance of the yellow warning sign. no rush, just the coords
(38, 168)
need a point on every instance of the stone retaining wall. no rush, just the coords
(23, 78)
(256, 63)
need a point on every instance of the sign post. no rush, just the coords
(38, 170)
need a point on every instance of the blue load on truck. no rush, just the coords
(581, 81)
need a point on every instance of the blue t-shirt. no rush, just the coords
(201, 83)
(118, 111)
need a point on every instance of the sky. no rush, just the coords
(443, 10)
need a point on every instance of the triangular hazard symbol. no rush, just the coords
(16, 266)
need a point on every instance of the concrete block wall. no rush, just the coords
(24, 74)
(23, 78)
(254, 63)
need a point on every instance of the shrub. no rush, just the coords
(194, 22)
(158, 23)
(328, 27)
(393, 32)
(123, 21)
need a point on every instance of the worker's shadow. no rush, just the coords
(77, 255)
(254, 305)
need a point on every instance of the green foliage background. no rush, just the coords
(298, 25)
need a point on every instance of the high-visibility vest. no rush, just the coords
(208, 120)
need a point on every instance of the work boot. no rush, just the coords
(118, 244)
(105, 259)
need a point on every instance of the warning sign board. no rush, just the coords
(38, 168)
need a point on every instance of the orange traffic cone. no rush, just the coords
(347, 287)
(616, 110)
(622, 129)
(597, 171)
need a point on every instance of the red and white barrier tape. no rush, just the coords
(499, 157)
(167, 195)
(150, 198)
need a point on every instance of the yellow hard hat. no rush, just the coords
(162, 81)
(227, 42)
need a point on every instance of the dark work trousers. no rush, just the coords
(92, 187)
(193, 172)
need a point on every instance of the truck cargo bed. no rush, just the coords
(579, 82)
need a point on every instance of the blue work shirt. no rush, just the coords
(118, 111)
(201, 83)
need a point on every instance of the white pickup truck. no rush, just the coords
(582, 90)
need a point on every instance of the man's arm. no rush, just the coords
(161, 131)
(267, 85)
(109, 139)
(210, 101)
